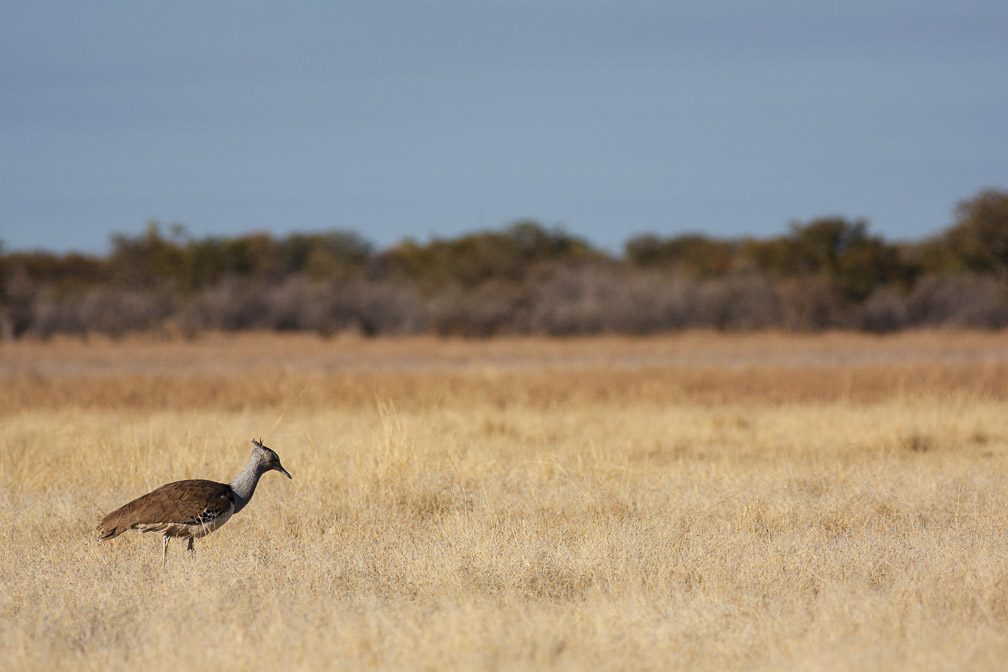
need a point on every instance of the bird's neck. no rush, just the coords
(244, 486)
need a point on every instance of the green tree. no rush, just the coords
(854, 262)
(978, 241)
(147, 260)
(476, 258)
(693, 254)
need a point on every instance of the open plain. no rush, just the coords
(697, 501)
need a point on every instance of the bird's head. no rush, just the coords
(268, 460)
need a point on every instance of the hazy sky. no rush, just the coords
(421, 118)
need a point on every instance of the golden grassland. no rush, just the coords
(698, 501)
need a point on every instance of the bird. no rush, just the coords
(193, 508)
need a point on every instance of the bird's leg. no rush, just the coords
(190, 547)
(164, 551)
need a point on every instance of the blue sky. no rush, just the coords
(423, 119)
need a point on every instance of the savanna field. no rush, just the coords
(697, 501)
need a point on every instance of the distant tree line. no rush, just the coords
(827, 273)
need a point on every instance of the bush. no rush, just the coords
(100, 310)
(885, 310)
(809, 304)
(959, 301)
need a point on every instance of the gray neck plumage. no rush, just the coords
(244, 486)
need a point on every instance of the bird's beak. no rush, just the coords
(284, 472)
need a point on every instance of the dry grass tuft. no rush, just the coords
(679, 503)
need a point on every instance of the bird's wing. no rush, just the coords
(181, 502)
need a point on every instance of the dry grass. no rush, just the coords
(691, 502)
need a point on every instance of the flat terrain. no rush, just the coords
(697, 501)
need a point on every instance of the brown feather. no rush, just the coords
(175, 503)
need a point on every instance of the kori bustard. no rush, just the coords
(194, 508)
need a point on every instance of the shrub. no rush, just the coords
(959, 301)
